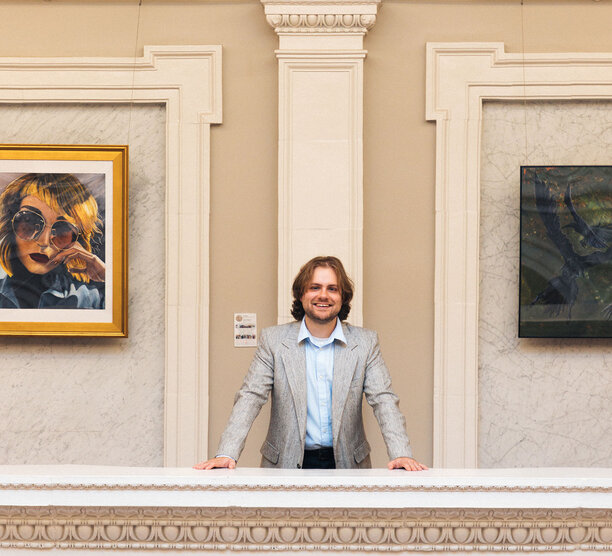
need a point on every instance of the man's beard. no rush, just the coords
(319, 320)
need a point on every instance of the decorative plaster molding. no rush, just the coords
(344, 488)
(311, 16)
(293, 529)
(460, 76)
(187, 80)
(321, 23)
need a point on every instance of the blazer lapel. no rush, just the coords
(345, 363)
(294, 361)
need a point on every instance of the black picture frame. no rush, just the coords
(565, 252)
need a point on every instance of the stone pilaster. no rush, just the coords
(320, 154)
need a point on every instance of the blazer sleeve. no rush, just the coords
(249, 400)
(385, 403)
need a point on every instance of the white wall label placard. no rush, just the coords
(245, 329)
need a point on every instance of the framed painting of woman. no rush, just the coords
(63, 240)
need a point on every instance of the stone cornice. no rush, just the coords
(314, 16)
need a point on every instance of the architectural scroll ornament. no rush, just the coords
(322, 23)
(262, 530)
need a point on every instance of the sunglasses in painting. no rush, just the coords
(29, 225)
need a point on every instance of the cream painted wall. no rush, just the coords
(398, 158)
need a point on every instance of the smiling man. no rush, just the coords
(317, 370)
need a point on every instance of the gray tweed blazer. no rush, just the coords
(279, 368)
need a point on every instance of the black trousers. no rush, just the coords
(323, 458)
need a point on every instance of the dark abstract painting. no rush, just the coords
(566, 252)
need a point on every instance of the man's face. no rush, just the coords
(322, 299)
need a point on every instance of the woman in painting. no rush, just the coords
(47, 222)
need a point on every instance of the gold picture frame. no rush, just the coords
(63, 240)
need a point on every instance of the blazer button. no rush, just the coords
(299, 466)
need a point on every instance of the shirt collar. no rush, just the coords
(337, 334)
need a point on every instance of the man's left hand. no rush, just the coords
(408, 464)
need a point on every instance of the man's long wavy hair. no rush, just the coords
(65, 194)
(304, 277)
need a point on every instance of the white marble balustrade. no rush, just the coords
(77, 509)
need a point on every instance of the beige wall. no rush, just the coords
(399, 155)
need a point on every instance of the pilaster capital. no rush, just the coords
(321, 16)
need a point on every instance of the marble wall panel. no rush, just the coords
(95, 400)
(542, 402)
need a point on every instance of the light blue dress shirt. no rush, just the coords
(319, 380)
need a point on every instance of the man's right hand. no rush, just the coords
(229, 463)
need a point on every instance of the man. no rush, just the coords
(317, 369)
